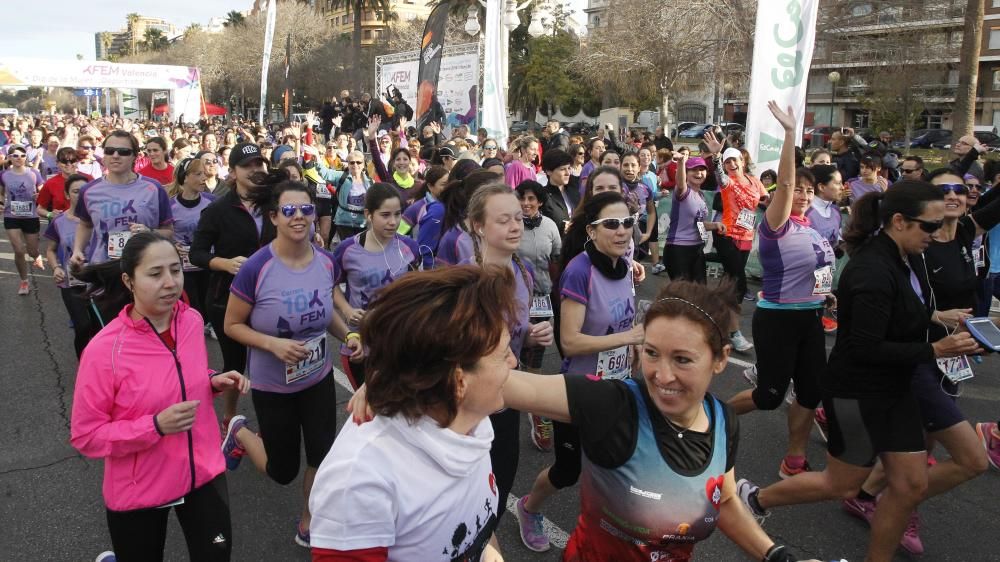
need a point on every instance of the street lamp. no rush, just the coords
(834, 77)
(472, 26)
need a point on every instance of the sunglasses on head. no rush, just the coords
(111, 151)
(956, 188)
(307, 209)
(929, 227)
(615, 224)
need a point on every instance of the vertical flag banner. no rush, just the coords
(128, 103)
(288, 83)
(431, 46)
(494, 96)
(782, 51)
(268, 40)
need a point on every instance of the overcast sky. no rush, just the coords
(67, 27)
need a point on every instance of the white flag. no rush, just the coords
(782, 51)
(494, 96)
(268, 39)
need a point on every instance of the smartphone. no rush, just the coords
(985, 332)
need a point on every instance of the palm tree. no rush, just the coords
(358, 8)
(154, 40)
(234, 19)
(132, 19)
(965, 96)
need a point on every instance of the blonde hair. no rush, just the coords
(195, 165)
(476, 213)
(522, 143)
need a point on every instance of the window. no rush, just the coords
(996, 80)
(995, 38)
(368, 35)
(861, 9)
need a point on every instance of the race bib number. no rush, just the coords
(316, 348)
(614, 363)
(541, 307)
(957, 369)
(186, 258)
(746, 219)
(21, 209)
(702, 231)
(824, 280)
(980, 257)
(116, 243)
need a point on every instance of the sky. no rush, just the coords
(67, 30)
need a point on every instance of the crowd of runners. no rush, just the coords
(436, 269)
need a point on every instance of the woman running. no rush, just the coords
(659, 477)
(188, 198)
(143, 404)
(427, 440)
(597, 334)
(369, 261)
(456, 242)
(870, 405)
(61, 232)
(119, 205)
(798, 266)
(281, 309)
(18, 186)
(684, 248)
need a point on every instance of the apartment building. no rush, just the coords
(112, 44)
(373, 23)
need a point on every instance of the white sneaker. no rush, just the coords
(659, 268)
(750, 375)
(745, 489)
(740, 342)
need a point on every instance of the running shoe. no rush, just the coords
(790, 466)
(39, 262)
(23, 289)
(748, 296)
(790, 395)
(862, 509)
(747, 491)
(301, 538)
(988, 437)
(750, 374)
(819, 419)
(740, 343)
(210, 331)
(532, 532)
(106, 556)
(911, 536)
(659, 268)
(231, 448)
(829, 325)
(541, 433)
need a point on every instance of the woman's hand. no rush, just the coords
(357, 350)
(230, 379)
(635, 336)
(952, 318)
(77, 260)
(638, 272)
(59, 274)
(354, 316)
(540, 334)
(178, 417)
(718, 227)
(373, 124)
(714, 145)
(786, 118)
(955, 345)
(136, 228)
(288, 351)
(358, 407)
(232, 265)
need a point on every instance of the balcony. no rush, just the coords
(860, 57)
(899, 18)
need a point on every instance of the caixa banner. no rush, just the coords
(782, 51)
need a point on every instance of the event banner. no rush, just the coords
(457, 88)
(494, 96)
(268, 40)
(128, 103)
(431, 46)
(783, 49)
(183, 82)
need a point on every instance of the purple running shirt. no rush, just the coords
(685, 214)
(20, 191)
(455, 246)
(110, 208)
(797, 263)
(522, 293)
(62, 232)
(186, 221)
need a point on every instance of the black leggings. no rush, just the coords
(196, 288)
(734, 263)
(288, 419)
(685, 262)
(566, 470)
(791, 346)
(234, 354)
(505, 452)
(76, 306)
(140, 535)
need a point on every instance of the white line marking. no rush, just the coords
(740, 362)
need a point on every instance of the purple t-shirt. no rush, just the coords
(366, 272)
(857, 188)
(515, 172)
(62, 232)
(685, 214)
(795, 261)
(412, 215)
(454, 247)
(110, 208)
(522, 293)
(186, 220)
(20, 190)
(292, 304)
(824, 216)
(610, 307)
(642, 194)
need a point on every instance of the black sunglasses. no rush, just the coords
(956, 188)
(615, 224)
(69, 161)
(111, 150)
(929, 227)
(307, 210)
(909, 171)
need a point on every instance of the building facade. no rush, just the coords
(114, 44)
(373, 23)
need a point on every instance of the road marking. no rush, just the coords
(557, 536)
(740, 362)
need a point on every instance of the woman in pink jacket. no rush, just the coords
(143, 403)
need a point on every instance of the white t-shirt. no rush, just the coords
(425, 492)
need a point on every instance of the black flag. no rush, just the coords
(428, 108)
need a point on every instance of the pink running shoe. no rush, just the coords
(862, 509)
(988, 437)
(911, 536)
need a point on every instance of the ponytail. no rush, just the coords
(875, 210)
(865, 221)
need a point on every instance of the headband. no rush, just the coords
(699, 309)
(182, 169)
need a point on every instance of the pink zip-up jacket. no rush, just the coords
(127, 376)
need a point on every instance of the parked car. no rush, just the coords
(992, 140)
(731, 128)
(683, 126)
(695, 132)
(525, 127)
(924, 138)
(581, 128)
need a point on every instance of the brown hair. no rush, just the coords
(477, 216)
(462, 312)
(181, 171)
(710, 308)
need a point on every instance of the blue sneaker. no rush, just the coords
(301, 538)
(231, 448)
(106, 556)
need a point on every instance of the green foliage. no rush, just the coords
(234, 19)
(154, 40)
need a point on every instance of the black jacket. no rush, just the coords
(226, 230)
(555, 205)
(558, 140)
(882, 331)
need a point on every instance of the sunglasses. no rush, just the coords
(909, 171)
(929, 227)
(86, 147)
(489, 148)
(111, 151)
(615, 224)
(354, 163)
(956, 188)
(973, 185)
(307, 210)
(70, 161)
(209, 162)
(17, 155)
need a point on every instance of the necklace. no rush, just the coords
(680, 432)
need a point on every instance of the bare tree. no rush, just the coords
(964, 114)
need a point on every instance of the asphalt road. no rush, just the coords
(50, 497)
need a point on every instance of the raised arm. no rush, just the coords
(781, 203)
